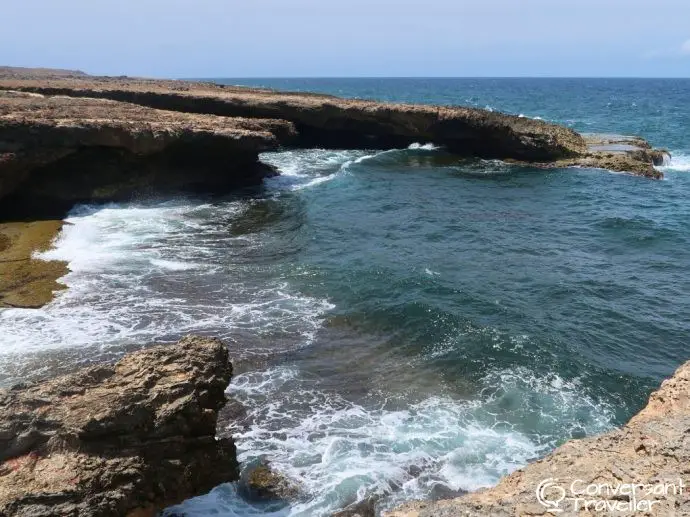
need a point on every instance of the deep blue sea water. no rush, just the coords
(405, 323)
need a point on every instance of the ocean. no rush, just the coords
(404, 323)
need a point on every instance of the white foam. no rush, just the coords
(141, 273)
(302, 169)
(423, 147)
(340, 451)
(679, 162)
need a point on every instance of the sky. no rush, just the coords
(350, 38)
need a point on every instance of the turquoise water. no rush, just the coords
(406, 324)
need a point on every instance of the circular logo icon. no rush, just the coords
(550, 495)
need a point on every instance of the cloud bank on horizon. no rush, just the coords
(219, 38)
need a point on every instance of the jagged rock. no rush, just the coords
(262, 483)
(118, 440)
(651, 449)
(60, 150)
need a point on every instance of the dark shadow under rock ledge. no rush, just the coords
(118, 440)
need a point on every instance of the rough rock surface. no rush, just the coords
(264, 484)
(326, 121)
(653, 448)
(117, 440)
(60, 149)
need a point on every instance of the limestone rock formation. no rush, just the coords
(327, 121)
(620, 153)
(59, 150)
(118, 440)
(652, 450)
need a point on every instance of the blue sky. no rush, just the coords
(274, 38)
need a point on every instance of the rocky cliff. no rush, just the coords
(57, 151)
(592, 476)
(117, 440)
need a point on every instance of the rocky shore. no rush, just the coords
(132, 438)
(118, 440)
(69, 137)
(651, 451)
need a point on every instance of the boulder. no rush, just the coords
(118, 440)
(262, 483)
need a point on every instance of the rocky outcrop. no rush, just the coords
(326, 121)
(620, 153)
(651, 451)
(57, 151)
(118, 440)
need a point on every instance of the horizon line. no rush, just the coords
(429, 77)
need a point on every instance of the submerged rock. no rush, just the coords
(262, 483)
(118, 440)
(652, 451)
(364, 508)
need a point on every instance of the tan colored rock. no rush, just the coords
(118, 440)
(652, 449)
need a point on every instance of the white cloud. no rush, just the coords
(685, 48)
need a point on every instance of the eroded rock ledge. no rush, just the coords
(332, 122)
(57, 151)
(118, 440)
(651, 449)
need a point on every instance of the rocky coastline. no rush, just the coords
(162, 136)
(67, 138)
(132, 438)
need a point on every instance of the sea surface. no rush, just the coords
(404, 324)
